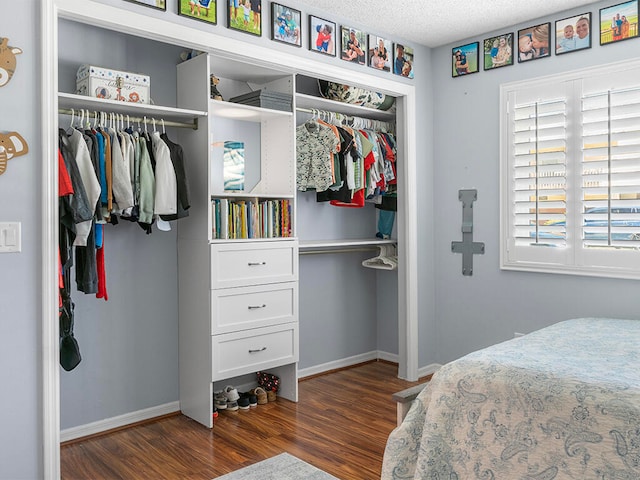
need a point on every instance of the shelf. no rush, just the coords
(274, 196)
(309, 101)
(308, 245)
(82, 102)
(238, 111)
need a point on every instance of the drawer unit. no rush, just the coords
(242, 308)
(244, 264)
(249, 351)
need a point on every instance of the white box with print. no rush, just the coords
(112, 84)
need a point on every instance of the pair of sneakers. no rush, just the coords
(227, 399)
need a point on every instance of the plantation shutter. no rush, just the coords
(611, 169)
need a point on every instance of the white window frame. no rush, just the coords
(572, 257)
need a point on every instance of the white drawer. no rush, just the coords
(253, 350)
(241, 308)
(253, 263)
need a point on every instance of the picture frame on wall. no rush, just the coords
(403, 60)
(380, 53)
(353, 45)
(573, 33)
(497, 51)
(157, 4)
(245, 16)
(464, 59)
(203, 10)
(619, 22)
(534, 42)
(286, 24)
(322, 36)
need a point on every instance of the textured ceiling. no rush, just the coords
(438, 22)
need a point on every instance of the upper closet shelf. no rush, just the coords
(238, 111)
(157, 112)
(304, 101)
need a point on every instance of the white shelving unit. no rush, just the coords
(238, 298)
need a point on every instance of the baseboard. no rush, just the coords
(117, 422)
(428, 370)
(336, 364)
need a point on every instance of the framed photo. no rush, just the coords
(619, 22)
(497, 51)
(379, 52)
(203, 10)
(573, 33)
(533, 42)
(159, 4)
(403, 60)
(322, 36)
(245, 16)
(464, 59)
(285, 24)
(353, 45)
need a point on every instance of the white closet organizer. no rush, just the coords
(238, 297)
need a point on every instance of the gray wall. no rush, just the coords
(473, 312)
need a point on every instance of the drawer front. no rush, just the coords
(234, 309)
(244, 264)
(252, 350)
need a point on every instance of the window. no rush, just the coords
(570, 173)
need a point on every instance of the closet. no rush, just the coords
(161, 344)
(351, 311)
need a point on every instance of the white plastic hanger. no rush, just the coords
(387, 259)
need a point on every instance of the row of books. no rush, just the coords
(253, 218)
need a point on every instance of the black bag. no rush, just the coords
(69, 348)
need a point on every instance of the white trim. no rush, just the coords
(429, 370)
(49, 189)
(137, 24)
(342, 363)
(117, 422)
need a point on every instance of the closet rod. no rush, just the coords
(167, 123)
(336, 250)
(314, 111)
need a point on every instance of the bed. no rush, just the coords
(559, 403)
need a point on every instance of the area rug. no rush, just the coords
(280, 467)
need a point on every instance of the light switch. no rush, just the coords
(10, 237)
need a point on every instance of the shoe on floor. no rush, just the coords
(220, 400)
(243, 402)
(271, 396)
(261, 395)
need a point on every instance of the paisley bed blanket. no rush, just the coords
(559, 403)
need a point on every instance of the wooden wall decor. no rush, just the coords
(7, 60)
(11, 145)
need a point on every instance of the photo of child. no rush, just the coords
(380, 56)
(285, 24)
(619, 22)
(353, 45)
(498, 51)
(322, 38)
(245, 15)
(464, 59)
(533, 42)
(573, 33)
(204, 10)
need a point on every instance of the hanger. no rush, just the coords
(163, 131)
(153, 122)
(73, 113)
(387, 259)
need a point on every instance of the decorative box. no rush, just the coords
(112, 84)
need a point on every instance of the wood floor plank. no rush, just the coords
(340, 424)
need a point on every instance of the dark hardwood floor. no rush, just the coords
(340, 424)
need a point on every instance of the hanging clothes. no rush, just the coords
(315, 145)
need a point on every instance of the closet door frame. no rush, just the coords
(136, 24)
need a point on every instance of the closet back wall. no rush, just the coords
(129, 343)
